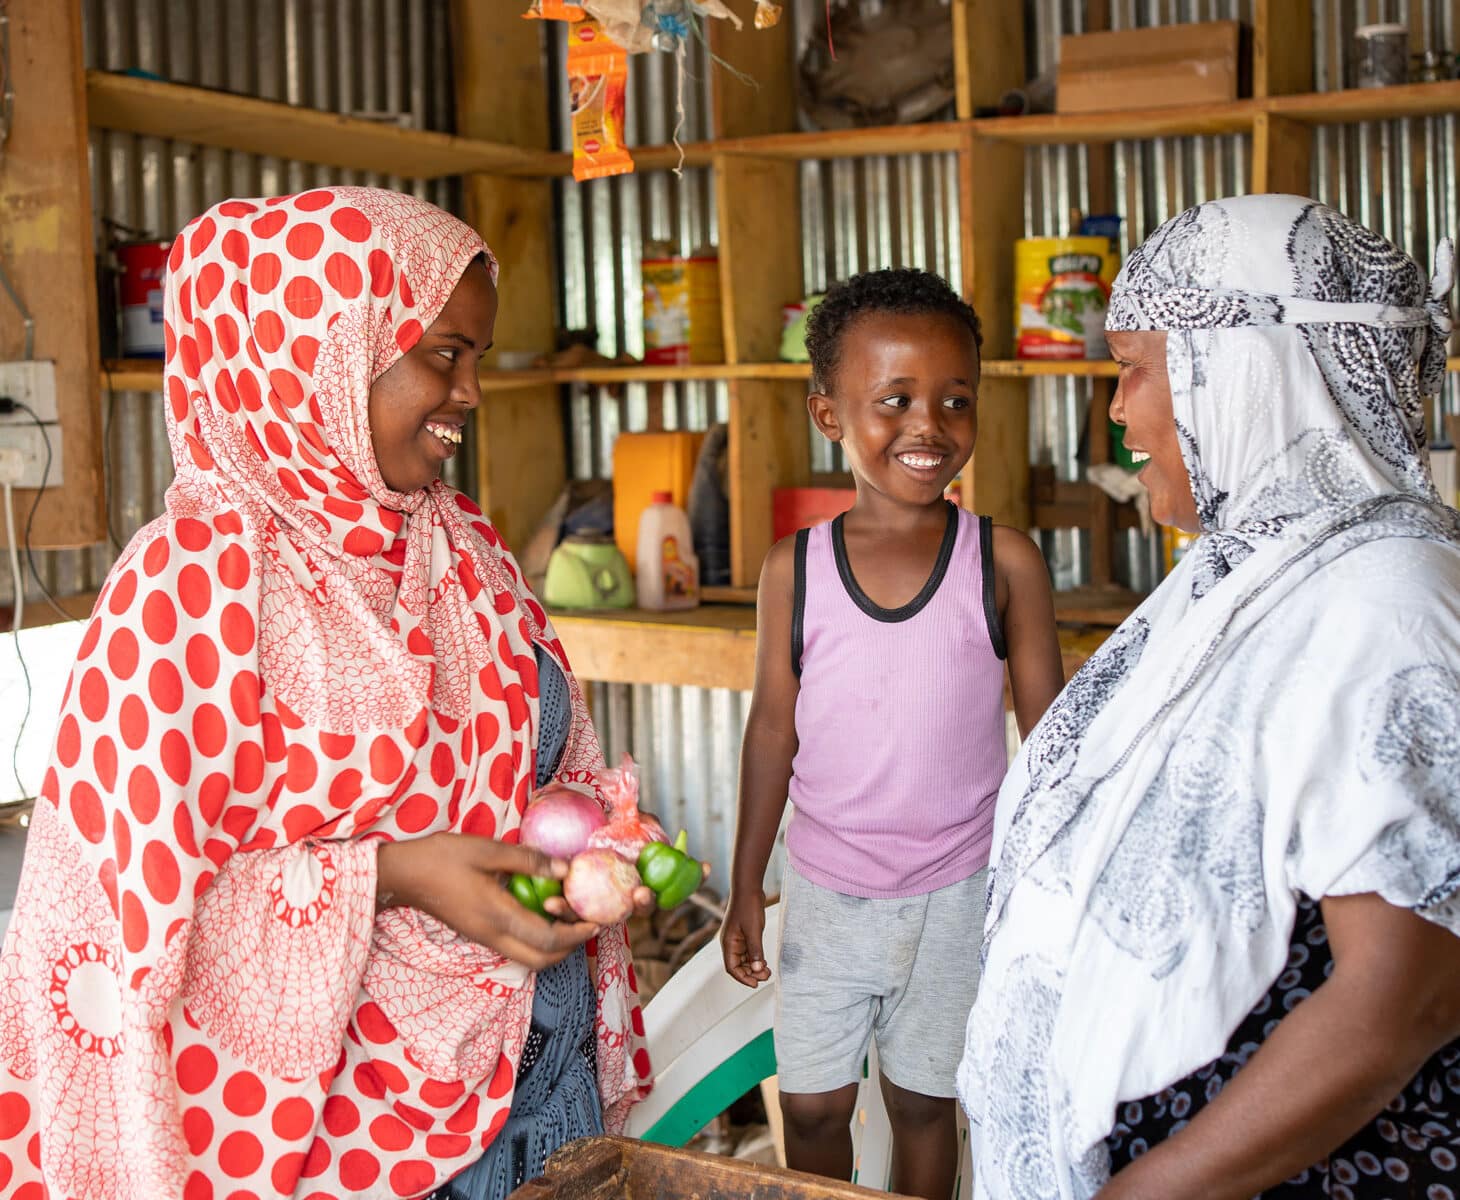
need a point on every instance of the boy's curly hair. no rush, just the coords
(901, 290)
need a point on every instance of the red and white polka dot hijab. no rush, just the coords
(197, 998)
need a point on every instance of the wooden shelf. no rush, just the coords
(714, 645)
(927, 138)
(145, 374)
(212, 118)
(230, 122)
(1054, 129)
(1028, 368)
(1369, 104)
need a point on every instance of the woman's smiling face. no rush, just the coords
(1143, 405)
(418, 408)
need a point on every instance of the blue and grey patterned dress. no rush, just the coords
(557, 1080)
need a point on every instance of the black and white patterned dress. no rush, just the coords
(1411, 1151)
(1280, 719)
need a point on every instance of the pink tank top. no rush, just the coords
(900, 719)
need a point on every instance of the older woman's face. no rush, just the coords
(1143, 405)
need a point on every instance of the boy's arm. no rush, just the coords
(1026, 609)
(765, 767)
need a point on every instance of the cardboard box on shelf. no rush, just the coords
(1157, 67)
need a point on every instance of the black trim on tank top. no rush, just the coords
(798, 602)
(990, 597)
(918, 602)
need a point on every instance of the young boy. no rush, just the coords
(878, 708)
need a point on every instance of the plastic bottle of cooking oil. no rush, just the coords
(668, 572)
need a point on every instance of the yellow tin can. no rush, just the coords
(682, 309)
(1062, 289)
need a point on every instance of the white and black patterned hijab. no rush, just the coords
(1281, 716)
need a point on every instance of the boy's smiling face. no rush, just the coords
(902, 402)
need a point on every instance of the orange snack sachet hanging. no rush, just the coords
(598, 75)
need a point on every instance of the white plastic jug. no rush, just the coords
(668, 571)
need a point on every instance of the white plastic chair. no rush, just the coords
(710, 1042)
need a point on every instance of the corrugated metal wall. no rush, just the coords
(393, 57)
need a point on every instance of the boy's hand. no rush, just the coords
(740, 940)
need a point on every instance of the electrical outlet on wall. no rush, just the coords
(26, 444)
(32, 384)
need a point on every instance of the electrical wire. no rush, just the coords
(16, 575)
(106, 457)
(19, 583)
(35, 503)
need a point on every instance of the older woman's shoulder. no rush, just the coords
(1399, 579)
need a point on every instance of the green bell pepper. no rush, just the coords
(669, 872)
(533, 890)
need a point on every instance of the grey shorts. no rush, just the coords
(903, 970)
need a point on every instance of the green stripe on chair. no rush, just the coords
(713, 1094)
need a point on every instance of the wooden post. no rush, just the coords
(760, 269)
(1282, 155)
(768, 103)
(46, 251)
(988, 51)
(759, 202)
(501, 94)
(990, 189)
(1282, 48)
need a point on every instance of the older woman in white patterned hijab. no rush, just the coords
(1223, 948)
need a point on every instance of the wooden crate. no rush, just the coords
(1146, 68)
(616, 1168)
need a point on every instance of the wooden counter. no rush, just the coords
(710, 646)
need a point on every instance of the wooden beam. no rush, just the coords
(767, 104)
(770, 447)
(211, 118)
(46, 251)
(991, 183)
(1102, 508)
(760, 270)
(760, 252)
(988, 51)
(1282, 47)
(502, 93)
(501, 85)
(1282, 155)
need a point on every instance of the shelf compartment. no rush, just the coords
(207, 117)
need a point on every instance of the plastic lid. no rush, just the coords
(662, 498)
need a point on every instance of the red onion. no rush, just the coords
(559, 821)
(600, 887)
(628, 831)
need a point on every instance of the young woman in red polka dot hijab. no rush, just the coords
(252, 954)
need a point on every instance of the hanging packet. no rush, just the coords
(598, 73)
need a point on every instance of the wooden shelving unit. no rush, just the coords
(520, 458)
